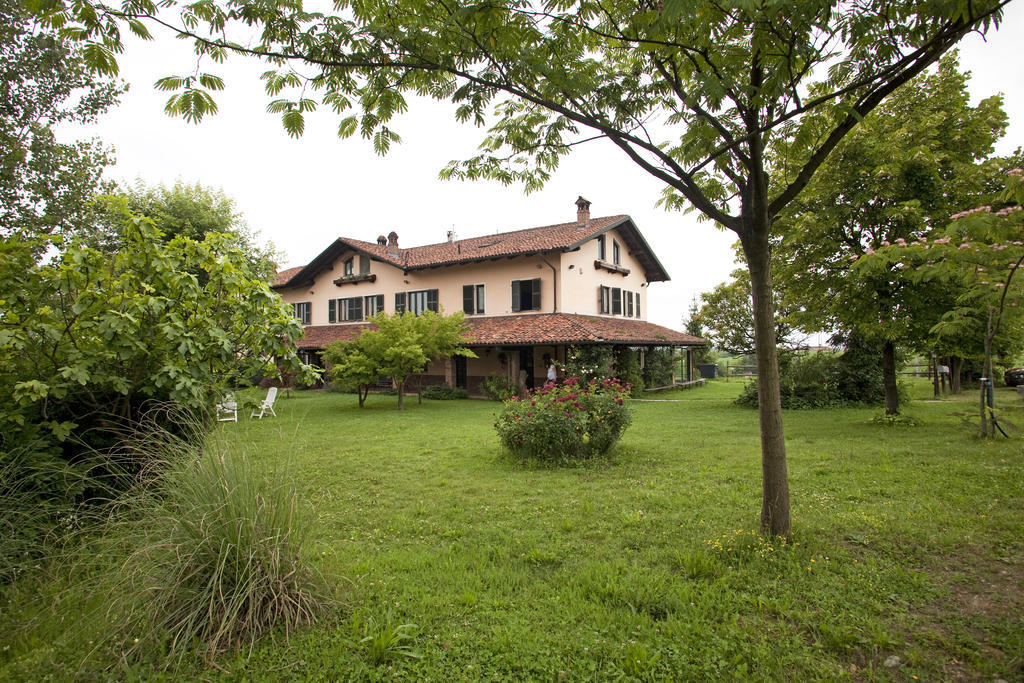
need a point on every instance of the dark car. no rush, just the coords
(1014, 377)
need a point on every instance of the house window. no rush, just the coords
(473, 299)
(416, 302)
(526, 295)
(303, 311)
(638, 304)
(616, 301)
(615, 252)
(374, 304)
(350, 266)
(331, 317)
(350, 309)
(604, 299)
(629, 304)
(600, 248)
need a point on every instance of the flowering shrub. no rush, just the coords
(566, 421)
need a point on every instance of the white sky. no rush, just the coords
(301, 194)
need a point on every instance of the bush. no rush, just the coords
(443, 392)
(499, 387)
(567, 421)
(658, 366)
(213, 556)
(589, 362)
(627, 368)
(824, 380)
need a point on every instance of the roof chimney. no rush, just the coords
(582, 212)
(451, 236)
(382, 240)
(392, 240)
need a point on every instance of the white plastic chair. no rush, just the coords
(227, 410)
(267, 405)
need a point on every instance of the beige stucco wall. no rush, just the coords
(580, 280)
(577, 279)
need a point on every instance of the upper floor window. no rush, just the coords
(345, 310)
(303, 311)
(629, 304)
(638, 304)
(416, 302)
(374, 304)
(604, 300)
(600, 248)
(473, 299)
(350, 266)
(526, 295)
(615, 252)
(616, 301)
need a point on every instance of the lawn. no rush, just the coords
(907, 558)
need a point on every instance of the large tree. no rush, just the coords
(912, 162)
(46, 185)
(696, 93)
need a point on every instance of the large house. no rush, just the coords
(528, 294)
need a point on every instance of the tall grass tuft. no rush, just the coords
(214, 561)
(206, 555)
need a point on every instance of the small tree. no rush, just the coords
(978, 255)
(402, 344)
(352, 368)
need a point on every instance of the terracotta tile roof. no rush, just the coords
(319, 336)
(568, 328)
(539, 328)
(562, 237)
(531, 240)
(285, 275)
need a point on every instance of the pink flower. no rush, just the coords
(869, 251)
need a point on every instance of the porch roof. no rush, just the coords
(531, 329)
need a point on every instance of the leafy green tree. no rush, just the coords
(913, 161)
(727, 315)
(46, 186)
(194, 211)
(978, 256)
(88, 340)
(698, 94)
(351, 368)
(693, 325)
(401, 344)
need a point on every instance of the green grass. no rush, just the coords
(460, 564)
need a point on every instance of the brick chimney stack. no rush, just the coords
(392, 240)
(382, 240)
(582, 212)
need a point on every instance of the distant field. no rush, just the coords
(908, 543)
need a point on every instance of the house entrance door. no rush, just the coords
(526, 363)
(460, 372)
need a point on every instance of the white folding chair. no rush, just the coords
(267, 405)
(227, 410)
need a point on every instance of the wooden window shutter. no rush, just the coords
(515, 296)
(432, 300)
(467, 299)
(364, 264)
(616, 301)
(330, 311)
(536, 294)
(399, 302)
(638, 304)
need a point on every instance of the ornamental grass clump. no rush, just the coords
(214, 557)
(568, 421)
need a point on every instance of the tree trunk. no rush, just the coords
(775, 516)
(401, 393)
(892, 396)
(362, 391)
(935, 376)
(956, 368)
